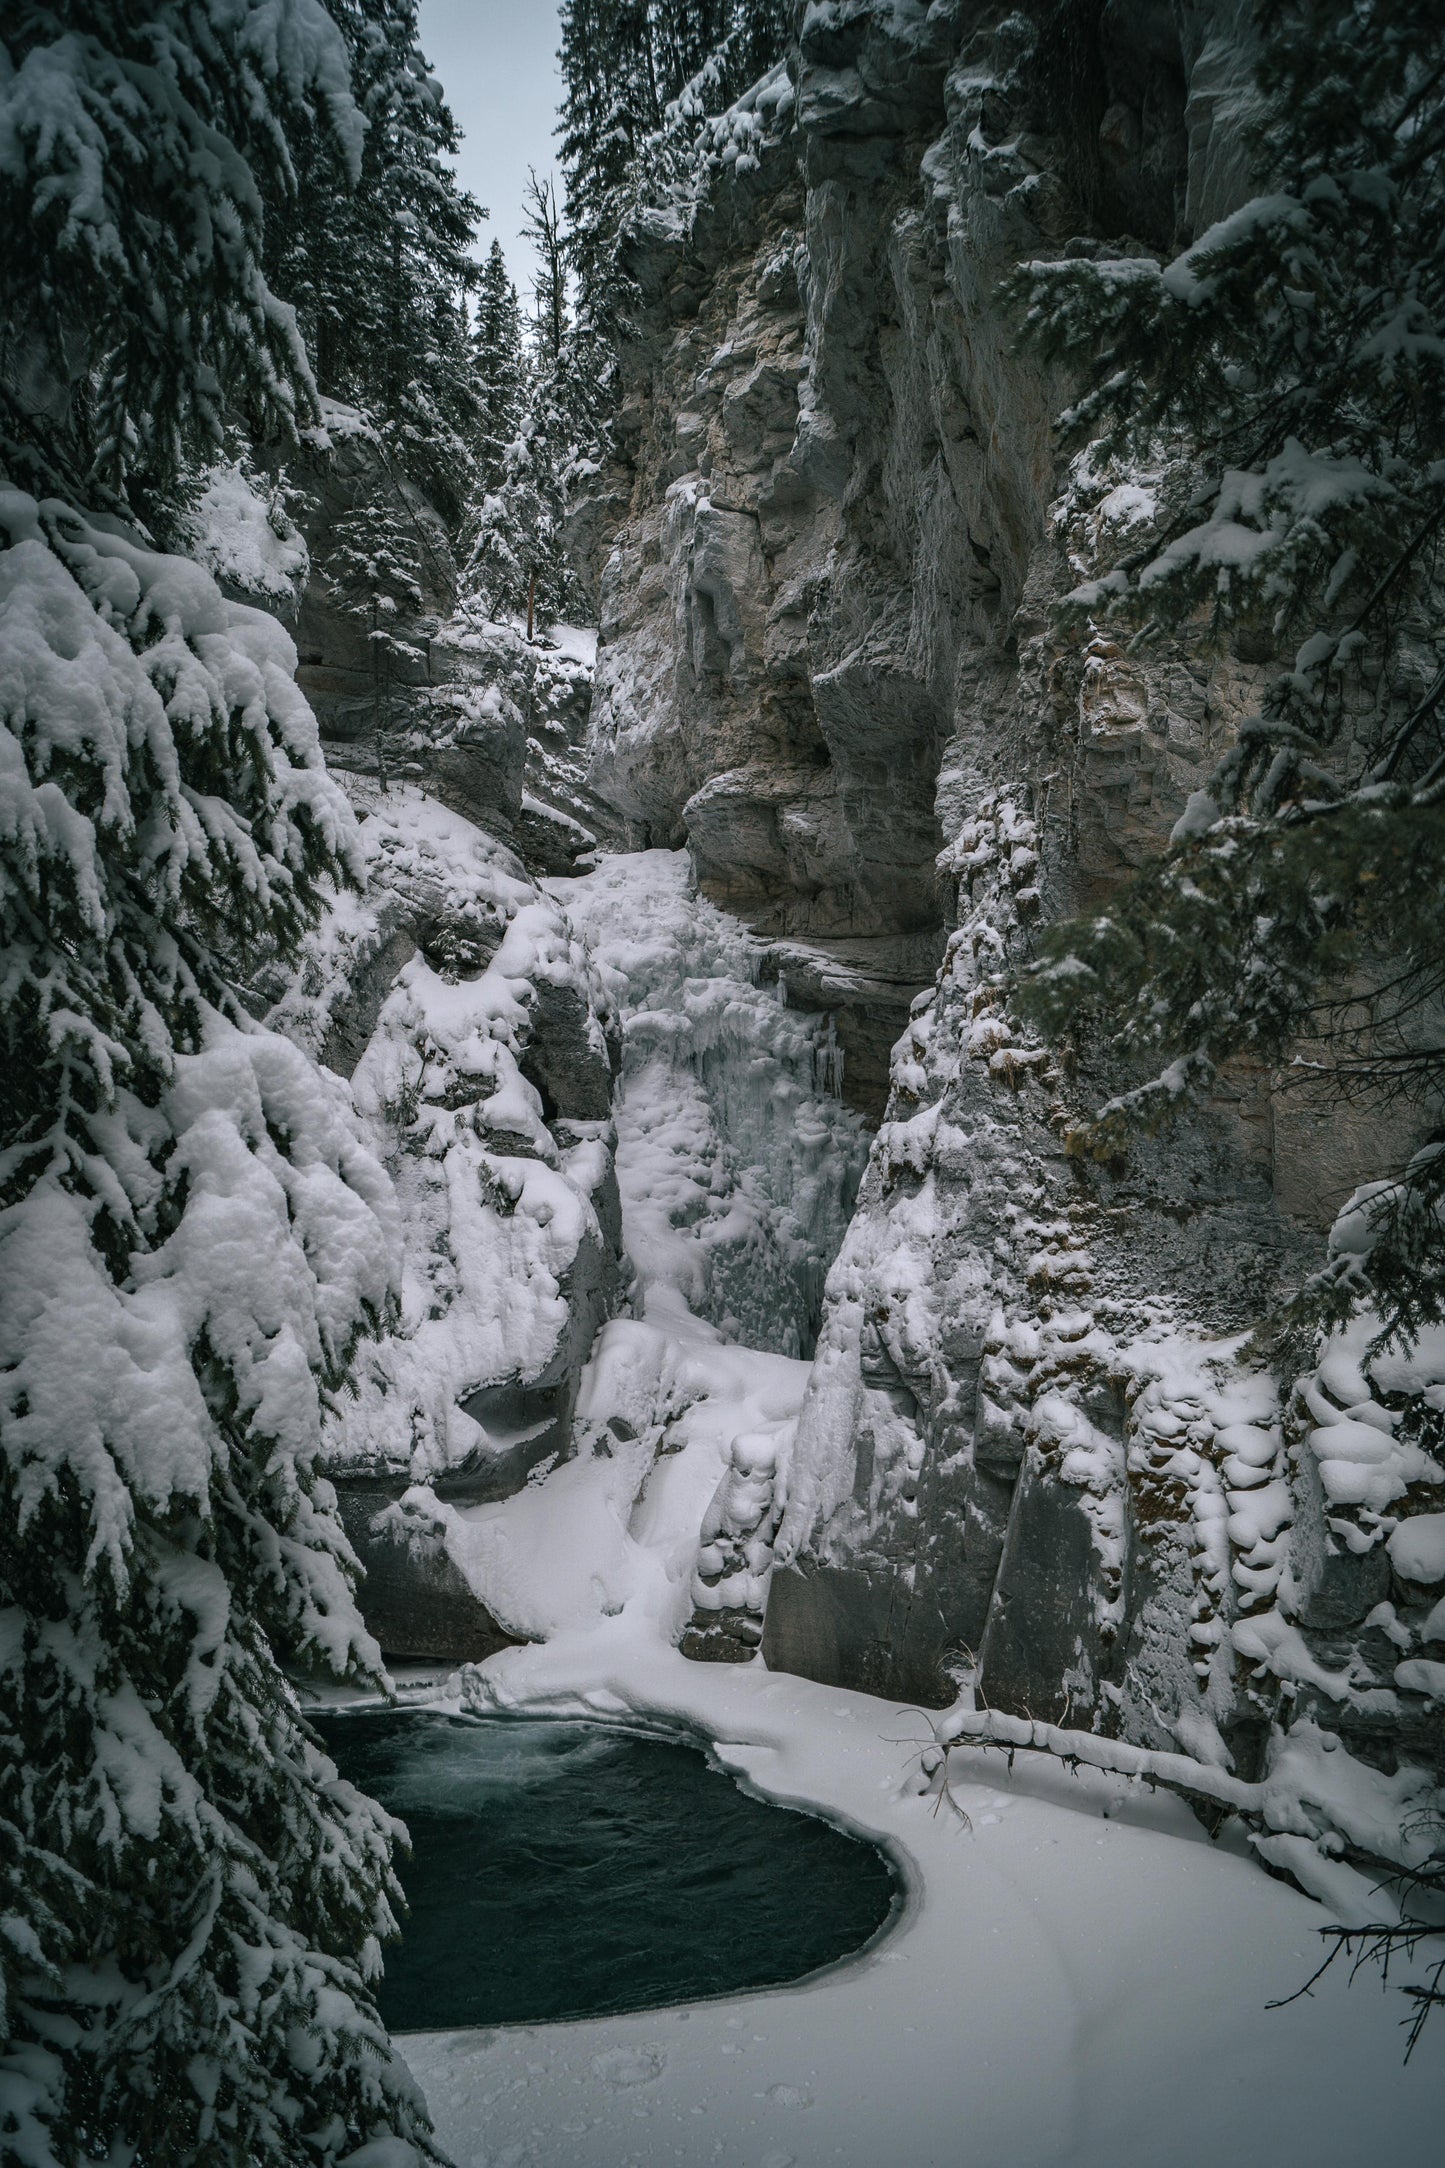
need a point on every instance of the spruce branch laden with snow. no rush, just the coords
(191, 1241)
(637, 80)
(135, 307)
(378, 273)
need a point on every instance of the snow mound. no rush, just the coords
(242, 533)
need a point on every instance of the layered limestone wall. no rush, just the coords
(767, 690)
(837, 466)
(1030, 1463)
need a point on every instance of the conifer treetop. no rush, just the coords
(130, 147)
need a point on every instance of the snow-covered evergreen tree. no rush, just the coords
(127, 331)
(374, 571)
(378, 273)
(542, 226)
(609, 103)
(516, 564)
(640, 76)
(1293, 362)
(501, 367)
(191, 1237)
(551, 402)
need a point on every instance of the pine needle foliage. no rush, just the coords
(542, 226)
(1290, 365)
(373, 573)
(379, 272)
(551, 398)
(130, 278)
(500, 365)
(191, 1238)
(640, 78)
(627, 67)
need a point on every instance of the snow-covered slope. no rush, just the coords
(480, 1047)
(1073, 1951)
(484, 1080)
(1077, 1930)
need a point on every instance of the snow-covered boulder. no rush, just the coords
(481, 1050)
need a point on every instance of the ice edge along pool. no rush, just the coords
(568, 1870)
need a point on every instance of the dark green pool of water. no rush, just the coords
(562, 1871)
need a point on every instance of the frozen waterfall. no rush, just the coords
(737, 1159)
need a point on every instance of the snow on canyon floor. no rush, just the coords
(1078, 1976)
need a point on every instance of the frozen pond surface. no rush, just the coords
(562, 1871)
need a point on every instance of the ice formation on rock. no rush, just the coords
(737, 1160)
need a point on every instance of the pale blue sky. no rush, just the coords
(497, 63)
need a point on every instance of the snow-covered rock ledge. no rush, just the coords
(1077, 1974)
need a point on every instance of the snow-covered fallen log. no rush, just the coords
(1193, 1780)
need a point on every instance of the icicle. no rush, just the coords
(828, 1062)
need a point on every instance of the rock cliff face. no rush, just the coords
(839, 470)
(1029, 1462)
(469, 710)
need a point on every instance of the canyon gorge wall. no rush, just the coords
(1030, 1462)
(838, 468)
